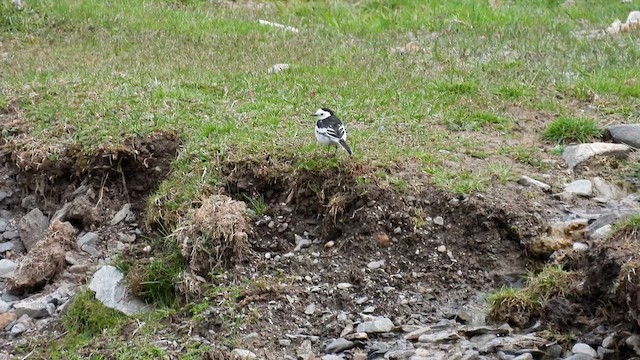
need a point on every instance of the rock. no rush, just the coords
(577, 154)
(6, 319)
(470, 355)
(126, 238)
(7, 268)
(559, 235)
(243, 354)
(4, 307)
(373, 265)
(627, 134)
(379, 325)
(310, 309)
(580, 188)
(61, 214)
(609, 342)
(400, 354)
(601, 232)
(6, 246)
(527, 181)
(121, 214)
(18, 329)
(579, 357)
(89, 238)
(383, 240)
(28, 202)
(605, 191)
(582, 348)
(415, 334)
(32, 227)
(338, 345)
(109, 285)
(633, 342)
(369, 310)
(3, 225)
(277, 68)
(606, 354)
(91, 251)
(301, 242)
(5, 195)
(438, 220)
(344, 286)
(10, 235)
(332, 357)
(305, 352)
(554, 351)
(284, 342)
(33, 309)
(525, 356)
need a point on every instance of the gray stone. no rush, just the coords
(5, 195)
(32, 227)
(438, 220)
(7, 267)
(580, 187)
(582, 348)
(243, 354)
(606, 354)
(3, 225)
(369, 310)
(633, 342)
(61, 214)
(527, 181)
(376, 264)
(338, 345)
(91, 251)
(605, 190)
(400, 354)
(332, 357)
(4, 307)
(10, 235)
(6, 246)
(310, 309)
(576, 154)
(34, 309)
(126, 238)
(18, 328)
(28, 202)
(379, 325)
(89, 238)
(121, 214)
(579, 357)
(628, 134)
(284, 342)
(470, 355)
(301, 242)
(601, 232)
(525, 356)
(554, 351)
(109, 285)
(609, 342)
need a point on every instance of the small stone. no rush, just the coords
(120, 246)
(283, 227)
(609, 342)
(601, 232)
(633, 342)
(79, 268)
(301, 242)
(310, 309)
(414, 335)
(89, 238)
(527, 181)
(344, 286)
(5, 194)
(578, 246)
(383, 240)
(28, 202)
(369, 310)
(18, 329)
(338, 345)
(4, 307)
(582, 348)
(376, 264)
(10, 235)
(438, 220)
(32, 227)
(576, 154)
(606, 354)
(277, 68)
(442, 249)
(121, 214)
(6, 246)
(3, 225)
(525, 356)
(329, 244)
(126, 238)
(91, 251)
(628, 134)
(243, 354)
(379, 325)
(284, 342)
(362, 300)
(34, 309)
(7, 268)
(470, 355)
(580, 188)
(332, 357)
(397, 230)
(579, 357)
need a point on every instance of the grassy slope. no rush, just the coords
(113, 68)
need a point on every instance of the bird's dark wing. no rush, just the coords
(332, 127)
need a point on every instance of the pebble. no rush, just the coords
(338, 345)
(10, 235)
(438, 220)
(3, 225)
(277, 68)
(579, 357)
(442, 249)
(310, 309)
(344, 286)
(18, 328)
(606, 354)
(369, 310)
(601, 232)
(609, 342)
(121, 214)
(525, 356)
(575, 154)
(6, 246)
(301, 242)
(373, 265)
(89, 238)
(244, 354)
(580, 188)
(4, 307)
(633, 342)
(329, 244)
(91, 251)
(527, 181)
(284, 342)
(582, 348)
(7, 267)
(362, 300)
(379, 325)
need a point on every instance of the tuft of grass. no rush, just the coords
(565, 130)
(155, 281)
(87, 316)
(517, 306)
(631, 224)
(257, 204)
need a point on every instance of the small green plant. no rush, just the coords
(630, 224)
(155, 281)
(565, 130)
(257, 204)
(502, 172)
(88, 316)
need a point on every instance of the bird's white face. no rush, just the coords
(321, 114)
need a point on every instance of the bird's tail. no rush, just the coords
(345, 146)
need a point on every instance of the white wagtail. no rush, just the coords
(330, 130)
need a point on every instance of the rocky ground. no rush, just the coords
(339, 265)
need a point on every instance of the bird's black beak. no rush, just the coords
(312, 114)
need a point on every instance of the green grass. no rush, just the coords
(565, 130)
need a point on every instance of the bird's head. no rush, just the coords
(322, 113)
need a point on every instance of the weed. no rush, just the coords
(155, 282)
(88, 316)
(565, 130)
(257, 204)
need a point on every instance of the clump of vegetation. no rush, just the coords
(87, 316)
(565, 130)
(155, 282)
(519, 306)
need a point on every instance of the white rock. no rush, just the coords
(4, 307)
(18, 328)
(343, 286)
(121, 214)
(7, 268)
(279, 26)
(601, 232)
(578, 246)
(580, 187)
(243, 354)
(89, 238)
(376, 264)
(379, 325)
(438, 220)
(310, 309)
(576, 154)
(581, 348)
(109, 285)
(527, 181)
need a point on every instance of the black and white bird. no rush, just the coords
(330, 130)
